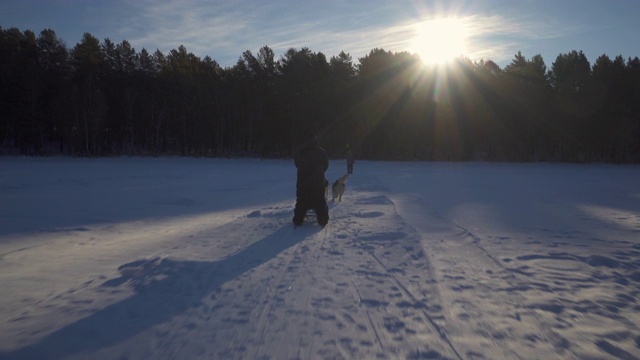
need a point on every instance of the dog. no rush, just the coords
(338, 187)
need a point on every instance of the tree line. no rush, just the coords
(107, 99)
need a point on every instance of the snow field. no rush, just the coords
(198, 259)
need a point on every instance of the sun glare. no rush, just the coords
(440, 40)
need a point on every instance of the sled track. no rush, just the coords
(434, 324)
(515, 281)
(390, 272)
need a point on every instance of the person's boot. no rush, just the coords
(299, 213)
(323, 215)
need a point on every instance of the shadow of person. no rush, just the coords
(164, 288)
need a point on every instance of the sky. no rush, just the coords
(490, 30)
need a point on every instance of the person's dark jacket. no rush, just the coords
(311, 161)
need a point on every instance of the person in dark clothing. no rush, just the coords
(311, 161)
(350, 161)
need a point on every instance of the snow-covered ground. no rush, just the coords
(173, 258)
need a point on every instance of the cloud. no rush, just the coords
(499, 38)
(197, 25)
(224, 30)
(490, 37)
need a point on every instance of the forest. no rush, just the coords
(107, 99)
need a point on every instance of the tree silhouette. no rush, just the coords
(101, 99)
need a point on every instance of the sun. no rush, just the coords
(440, 40)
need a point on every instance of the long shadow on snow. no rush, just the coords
(164, 289)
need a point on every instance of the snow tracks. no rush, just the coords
(386, 279)
(543, 295)
(360, 288)
(258, 288)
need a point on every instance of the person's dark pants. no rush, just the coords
(349, 168)
(311, 199)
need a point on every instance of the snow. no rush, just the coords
(174, 258)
